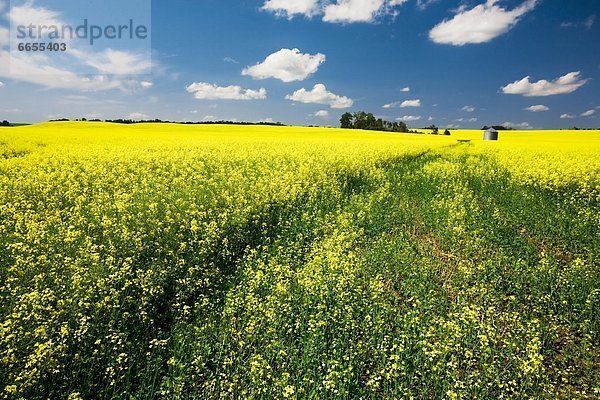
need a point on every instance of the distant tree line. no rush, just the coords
(367, 121)
(5, 123)
(498, 128)
(581, 129)
(435, 130)
(160, 121)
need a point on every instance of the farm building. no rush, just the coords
(490, 134)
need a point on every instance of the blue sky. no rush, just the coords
(447, 62)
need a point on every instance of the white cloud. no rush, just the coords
(468, 108)
(1, 84)
(410, 103)
(409, 118)
(537, 108)
(588, 113)
(348, 11)
(404, 104)
(267, 120)
(405, 90)
(335, 11)
(352, 11)
(207, 118)
(423, 4)
(115, 62)
(52, 77)
(522, 125)
(137, 116)
(4, 37)
(565, 84)
(466, 120)
(567, 116)
(290, 8)
(146, 84)
(286, 65)
(588, 23)
(480, 24)
(320, 95)
(66, 72)
(231, 60)
(208, 91)
(29, 14)
(322, 114)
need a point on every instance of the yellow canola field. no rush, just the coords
(552, 158)
(549, 158)
(270, 262)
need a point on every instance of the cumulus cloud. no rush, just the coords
(588, 113)
(336, 11)
(208, 91)
(320, 95)
(409, 118)
(405, 89)
(1, 84)
(468, 108)
(567, 116)
(146, 84)
(347, 11)
(322, 114)
(404, 104)
(480, 24)
(290, 8)
(286, 65)
(537, 108)
(410, 103)
(565, 84)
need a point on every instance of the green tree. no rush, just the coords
(346, 121)
(367, 121)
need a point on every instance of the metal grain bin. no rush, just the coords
(490, 134)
